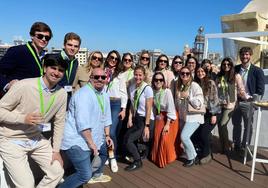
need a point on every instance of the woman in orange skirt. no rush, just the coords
(166, 137)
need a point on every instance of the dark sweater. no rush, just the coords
(18, 63)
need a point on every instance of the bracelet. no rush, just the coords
(147, 125)
(107, 135)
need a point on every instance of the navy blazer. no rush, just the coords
(255, 80)
(18, 63)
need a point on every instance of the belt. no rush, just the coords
(114, 99)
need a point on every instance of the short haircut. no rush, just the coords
(40, 27)
(54, 60)
(72, 36)
(245, 49)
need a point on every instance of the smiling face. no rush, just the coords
(112, 60)
(245, 58)
(177, 64)
(127, 62)
(191, 64)
(40, 39)
(71, 48)
(98, 78)
(145, 59)
(52, 75)
(226, 66)
(200, 73)
(158, 81)
(96, 60)
(139, 76)
(162, 63)
(185, 75)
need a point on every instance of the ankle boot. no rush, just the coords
(134, 166)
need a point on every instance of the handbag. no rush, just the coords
(192, 110)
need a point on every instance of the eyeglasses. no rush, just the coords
(96, 58)
(145, 58)
(159, 80)
(97, 77)
(185, 73)
(113, 58)
(163, 61)
(127, 60)
(226, 64)
(41, 37)
(177, 62)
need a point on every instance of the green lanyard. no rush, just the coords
(158, 100)
(100, 98)
(36, 59)
(137, 96)
(50, 102)
(129, 74)
(224, 85)
(110, 84)
(68, 72)
(184, 88)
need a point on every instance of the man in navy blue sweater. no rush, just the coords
(24, 61)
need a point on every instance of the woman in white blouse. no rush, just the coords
(166, 127)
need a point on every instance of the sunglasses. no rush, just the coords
(185, 73)
(97, 77)
(96, 58)
(41, 37)
(177, 62)
(127, 60)
(163, 61)
(159, 80)
(145, 58)
(226, 64)
(113, 58)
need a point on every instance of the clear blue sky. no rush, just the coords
(123, 25)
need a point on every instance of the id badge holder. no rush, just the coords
(68, 88)
(45, 127)
(158, 117)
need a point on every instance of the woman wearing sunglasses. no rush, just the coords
(140, 116)
(191, 62)
(202, 135)
(162, 64)
(230, 85)
(188, 92)
(127, 67)
(117, 91)
(166, 128)
(144, 61)
(94, 60)
(176, 65)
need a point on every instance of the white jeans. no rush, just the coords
(3, 182)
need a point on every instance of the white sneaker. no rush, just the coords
(114, 166)
(107, 162)
(100, 179)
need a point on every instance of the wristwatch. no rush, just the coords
(147, 125)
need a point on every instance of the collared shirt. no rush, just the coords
(244, 74)
(85, 113)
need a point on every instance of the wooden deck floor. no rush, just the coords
(221, 172)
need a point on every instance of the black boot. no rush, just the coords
(192, 162)
(134, 166)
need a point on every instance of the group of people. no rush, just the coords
(54, 110)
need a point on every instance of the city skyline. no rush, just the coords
(131, 26)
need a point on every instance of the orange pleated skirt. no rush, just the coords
(166, 148)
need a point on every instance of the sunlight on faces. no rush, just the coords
(98, 78)
(112, 60)
(127, 62)
(145, 59)
(185, 75)
(226, 66)
(162, 64)
(72, 47)
(200, 73)
(191, 64)
(245, 57)
(40, 42)
(53, 74)
(96, 60)
(139, 76)
(158, 81)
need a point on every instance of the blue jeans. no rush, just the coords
(116, 125)
(81, 161)
(187, 131)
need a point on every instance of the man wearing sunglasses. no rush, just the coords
(87, 131)
(24, 61)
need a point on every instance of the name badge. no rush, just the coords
(68, 88)
(45, 127)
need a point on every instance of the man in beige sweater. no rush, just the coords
(27, 110)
